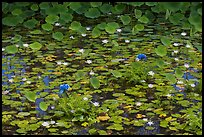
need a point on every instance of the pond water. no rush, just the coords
(128, 101)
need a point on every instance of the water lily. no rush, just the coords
(89, 61)
(81, 50)
(118, 30)
(24, 79)
(25, 45)
(65, 63)
(72, 111)
(150, 123)
(52, 107)
(179, 82)
(17, 45)
(168, 95)
(91, 72)
(138, 104)
(52, 122)
(57, 24)
(175, 44)
(71, 37)
(63, 88)
(96, 104)
(83, 35)
(186, 65)
(85, 98)
(105, 41)
(45, 124)
(176, 59)
(127, 41)
(10, 80)
(59, 62)
(88, 28)
(183, 33)
(28, 82)
(193, 85)
(188, 46)
(150, 85)
(141, 57)
(145, 119)
(151, 73)
(5, 92)
(176, 51)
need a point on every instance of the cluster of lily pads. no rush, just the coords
(105, 78)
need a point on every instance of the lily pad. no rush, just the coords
(35, 46)
(12, 49)
(95, 82)
(43, 106)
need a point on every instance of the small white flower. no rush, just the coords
(193, 85)
(17, 45)
(142, 81)
(39, 77)
(186, 65)
(88, 28)
(168, 95)
(71, 37)
(25, 45)
(57, 24)
(137, 59)
(91, 72)
(176, 51)
(150, 85)
(5, 92)
(89, 61)
(59, 62)
(118, 16)
(183, 33)
(150, 123)
(96, 104)
(52, 122)
(65, 63)
(85, 98)
(151, 73)
(127, 41)
(24, 79)
(195, 94)
(138, 104)
(3, 49)
(109, 13)
(119, 30)
(105, 41)
(83, 35)
(179, 82)
(45, 124)
(72, 111)
(176, 59)
(175, 44)
(13, 76)
(52, 107)
(28, 82)
(10, 80)
(188, 46)
(81, 50)
(145, 119)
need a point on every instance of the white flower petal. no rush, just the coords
(119, 30)
(127, 41)
(105, 41)
(151, 73)
(96, 104)
(186, 65)
(83, 35)
(176, 44)
(89, 61)
(85, 98)
(150, 123)
(65, 63)
(193, 85)
(150, 85)
(183, 33)
(25, 45)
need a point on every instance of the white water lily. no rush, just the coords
(142, 81)
(119, 30)
(176, 59)
(83, 35)
(57, 24)
(17, 45)
(25, 45)
(168, 95)
(188, 46)
(138, 104)
(85, 98)
(72, 111)
(183, 33)
(137, 59)
(88, 28)
(175, 44)
(118, 16)
(65, 63)
(96, 104)
(145, 119)
(5, 92)
(127, 41)
(186, 65)
(39, 77)
(151, 73)
(28, 82)
(150, 123)
(81, 50)
(3, 49)
(89, 61)
(150, 85)
(10, 80)
(45, 124)
(52, 107)
(71, 37)
(179, 82)
(91, 72)
(193, 85)
(59, 62)
(52, 122)
(24, 79)
(105, 41)
(176, 51)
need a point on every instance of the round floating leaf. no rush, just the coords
(101, 26)
(12, 20)
(138, 13)
(96, 4)
(161, 50)
(143, 19)
(43, 106)
(47, 26)
(172, 6)
(17, 12)
(44, 5)
(139, 27)
(95, 32)
(92, 13)
(160, 63)
(31, 96)
(58, 36)
(120, 7)
(136, 3)
(30, 23)
(75, 25)
(34, 7)
(36, 32)
(79, 75)
(95, 82)
(125, 19)
(116, 73)
(178, 73)
(164, 123)
(151, 3)
(171, 78)
(36, 46)
(105, 8)
(199, 11)
(51, 19)
(66, 17)
(110, 29)
(115, 126)
(12, 49)
(75, 5)
(165, 41)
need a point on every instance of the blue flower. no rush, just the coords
(63, 88)
(141, 57)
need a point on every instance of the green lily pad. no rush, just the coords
(31, 96)
(116, 73)
(125, 19)
(164, 123)
(75, 25)
(12, 49)
(43, 106)
(143, 19)
(161, 50)
(35, 46)
(47, 26)
(92, 13)
(171, 78)
(165, 41)
(95, 32)
(179, 73)
(95, 82)
(30, 23)
(117, 127)
(58, 36)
